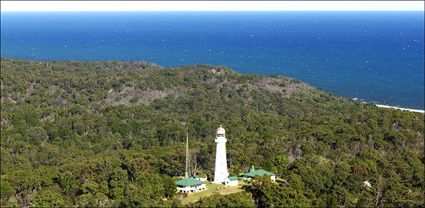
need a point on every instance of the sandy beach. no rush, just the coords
(404, 109)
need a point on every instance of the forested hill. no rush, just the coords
(111, 134)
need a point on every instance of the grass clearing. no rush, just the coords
(211, 189)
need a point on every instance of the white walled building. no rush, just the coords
(220, 169)
(259, 172)
(188, 185)
(232, 181)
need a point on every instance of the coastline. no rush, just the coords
(403, 109)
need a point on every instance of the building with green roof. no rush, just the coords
(259, 172)
(191, 184)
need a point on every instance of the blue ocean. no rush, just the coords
(374, 56)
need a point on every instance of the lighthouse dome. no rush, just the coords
(220, 130)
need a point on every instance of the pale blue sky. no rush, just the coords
(212, 6)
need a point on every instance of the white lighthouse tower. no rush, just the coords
(220, 170)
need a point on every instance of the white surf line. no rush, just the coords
(405, 109)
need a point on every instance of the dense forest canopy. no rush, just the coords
(112, 134)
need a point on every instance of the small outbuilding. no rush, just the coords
(259, 172)
(232, 181)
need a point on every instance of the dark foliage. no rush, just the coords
(111, 134)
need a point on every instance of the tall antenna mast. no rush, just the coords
(187, 169)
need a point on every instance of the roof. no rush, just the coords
(233, 178)
(220, 130)
(189, 182)
(258, 172)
